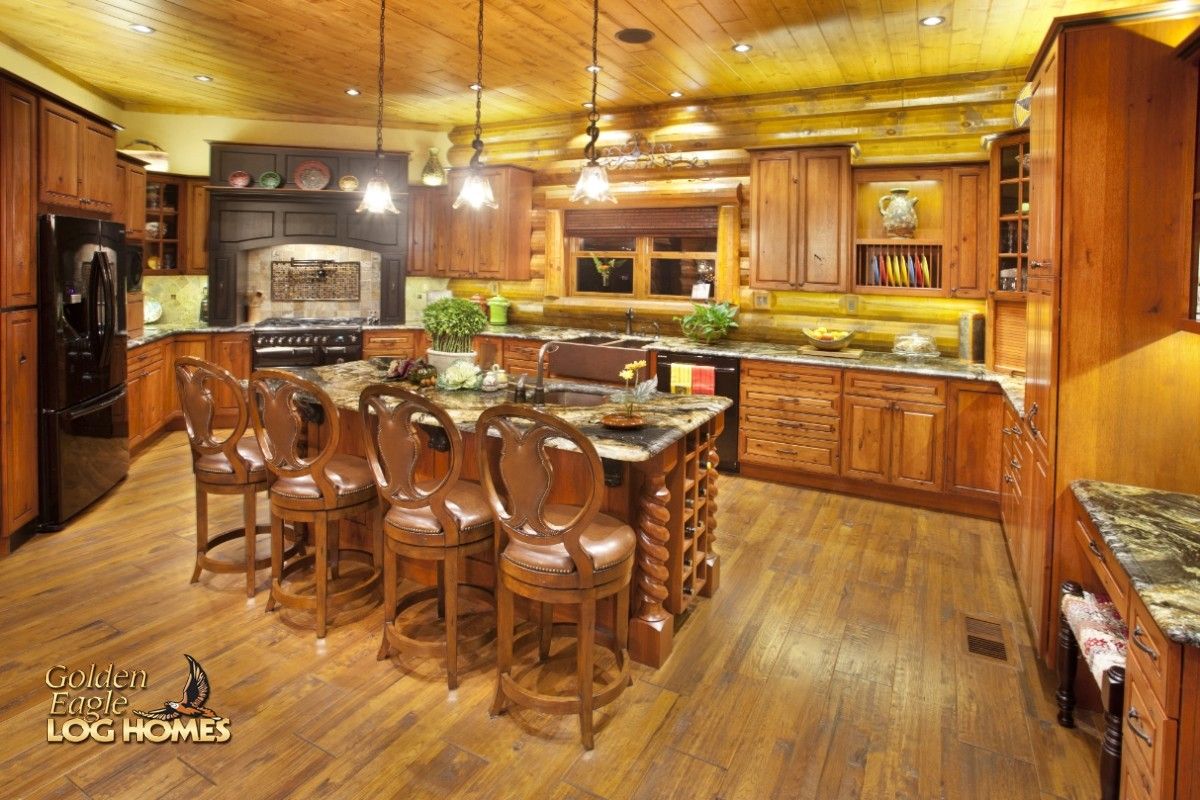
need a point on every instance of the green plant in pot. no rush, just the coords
(709, 322)
(451, 324)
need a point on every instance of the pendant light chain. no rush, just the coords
(477, 142)
(593, 131)
(379, 112)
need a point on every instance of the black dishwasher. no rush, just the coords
(727, 374)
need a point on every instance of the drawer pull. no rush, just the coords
(1135, 730)
(1012, 462)
(1138, 633)
(785, 452)
(1095, 550)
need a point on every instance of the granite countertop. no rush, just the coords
(668, 416)
(1013, 388)
(154, 333)
(1155, 535)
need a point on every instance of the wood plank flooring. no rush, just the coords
(830, 664)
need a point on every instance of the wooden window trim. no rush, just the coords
(642, 256)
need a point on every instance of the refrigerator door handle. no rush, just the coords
(87, 409)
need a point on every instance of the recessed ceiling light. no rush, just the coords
(588, 105)
(203, 78)
(932, 22)
(474, 87)
(635, 35)
(742, 47)
(676, 93)
(594, 67)
(353, 92)
(140, 28)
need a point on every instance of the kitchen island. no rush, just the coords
(661, 480)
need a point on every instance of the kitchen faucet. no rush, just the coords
(629, 321)
(539, 389)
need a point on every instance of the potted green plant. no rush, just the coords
(709, 322)
(451, 324)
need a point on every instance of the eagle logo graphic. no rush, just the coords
(195, 695)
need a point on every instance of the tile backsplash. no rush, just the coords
(260, 291)
(179, 296)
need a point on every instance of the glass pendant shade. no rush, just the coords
(593, 186)
(378, 197)
(476, 192)
(433, 174)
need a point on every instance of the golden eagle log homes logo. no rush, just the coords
(93, 714)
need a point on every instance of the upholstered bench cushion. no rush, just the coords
(1099, 630)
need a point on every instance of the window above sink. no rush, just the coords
(647, 266)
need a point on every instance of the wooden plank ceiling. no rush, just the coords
(295, 58)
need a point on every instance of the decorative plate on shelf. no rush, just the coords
(151, 310)
(347, 183)
(311, 175)
(270, 180)
(239, 179)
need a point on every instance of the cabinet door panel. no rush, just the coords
(825, 201)
(1044, 168)
(99, 180)
(866, 428)
(231, 351)
(60, 134)
(420, 251)
(773, 220)
(194, 346)
(975, 440)
(196, 228)
(18, 390)
(135, 202)
(460, 256)
(135, 387)
(491, 242)
(18, 262)
(154, 397)
(918, 445)
(968, 236)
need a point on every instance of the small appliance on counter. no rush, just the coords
(971, 332)
(722, 376)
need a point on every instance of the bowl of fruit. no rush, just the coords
(824, 338)
(414, 371)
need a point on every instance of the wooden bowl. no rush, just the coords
(836, 344)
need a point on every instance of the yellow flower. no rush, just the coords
(636, 365)
(625, 374)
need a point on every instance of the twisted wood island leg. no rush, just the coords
(712, 562)
(652, 627)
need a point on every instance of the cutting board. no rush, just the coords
(849, 352)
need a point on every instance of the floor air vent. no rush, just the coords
(985, 638)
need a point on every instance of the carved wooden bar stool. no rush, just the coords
(315, 489)
(1089, 625)
(442, 519)
(553, 554)
(231, 464)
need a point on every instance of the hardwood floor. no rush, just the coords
(830, 664)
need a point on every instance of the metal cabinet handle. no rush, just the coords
(21, 359)
(1012, 462)
(784, 452)
(1135, 730)
(1138, 633)
(1033, 411)
(1095, 550)
(1035, 264)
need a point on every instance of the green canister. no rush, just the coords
(498, 310)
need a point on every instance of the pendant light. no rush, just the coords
(433, 174)
(593, 181)
(378, 196)
(477, 189)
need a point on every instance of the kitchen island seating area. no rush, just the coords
(540, 528)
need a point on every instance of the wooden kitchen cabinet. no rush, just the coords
(492, 243)
(976, 420)
(18, 202)
(428, 210)
(231, 351)
(918, 445)
(894, 429)
(867, 447)
(130, 208)
(195, 227)
(967, 252)
(392, 344)
(19, 415)
(148, 383)
(75, 160)
(790, 416)
(801, 218)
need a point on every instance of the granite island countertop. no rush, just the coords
(154, 333)
(668, 416)
(1155, 535)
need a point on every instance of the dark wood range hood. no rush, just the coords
(244, 219)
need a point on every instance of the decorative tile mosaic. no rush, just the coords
(258, 290)
(314, 280)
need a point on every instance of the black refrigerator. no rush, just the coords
(84, 420)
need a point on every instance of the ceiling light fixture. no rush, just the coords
(475, 87)
(433, 173)
(742, 47)
(594, 67)
(140, 28)
(593, 181)
(932, 22)
(588, 105)
(477, 189)
(203, 78)
(377, 198)
(634, 35)
(676, 93)
(353, 92)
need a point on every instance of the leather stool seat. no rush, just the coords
(350, 476)
(608, 541)
(247, 449)
(465, 502)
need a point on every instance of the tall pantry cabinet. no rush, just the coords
(18, 315)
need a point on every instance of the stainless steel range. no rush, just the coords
(291, 342)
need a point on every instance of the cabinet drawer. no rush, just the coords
(522, 349)
(1136, 783)
(1150, 737)
(389, 344)
(801, 454)
(826, 405)
(1158, 659)
(774, 423)
(790, 379)
(1111, 575)
(896, 387)
(143, 357)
